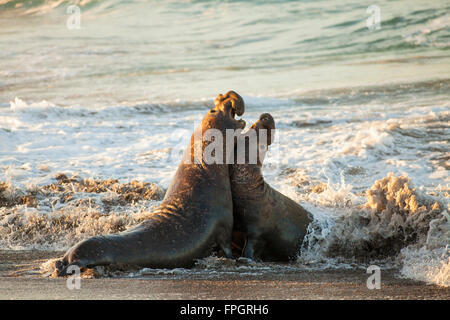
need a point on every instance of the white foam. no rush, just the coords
(430, 266)
(396, 219)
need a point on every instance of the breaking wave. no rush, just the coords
(396, 226)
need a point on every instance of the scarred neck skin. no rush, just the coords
(246, 179)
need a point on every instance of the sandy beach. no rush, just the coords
(20, 279)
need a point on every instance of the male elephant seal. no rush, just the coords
(274, 224)
(195, 215)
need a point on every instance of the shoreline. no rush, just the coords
(20, 278)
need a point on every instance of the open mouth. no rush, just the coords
(240, 122)
(236, 105)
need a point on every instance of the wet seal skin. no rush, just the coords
(273, 224)
(195, 216)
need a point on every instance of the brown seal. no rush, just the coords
(195, 215)
(274, 224)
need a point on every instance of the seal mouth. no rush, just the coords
(237, 105)
(240, 122)
(234, 102)
(265, 121)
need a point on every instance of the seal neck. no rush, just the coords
(245, 178)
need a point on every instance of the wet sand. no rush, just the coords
(20, 278)
(321, 285)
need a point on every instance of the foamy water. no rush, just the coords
(119, 99)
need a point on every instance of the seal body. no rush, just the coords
(274, 224)
(195, 215)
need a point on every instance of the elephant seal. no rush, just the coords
(274, 224)
(195, 215)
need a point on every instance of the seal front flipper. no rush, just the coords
(224, 240)
(253, 240)
(249, 250)
(63, 269)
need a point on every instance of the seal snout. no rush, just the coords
(267, 121)
(233, 103)
(237, 103)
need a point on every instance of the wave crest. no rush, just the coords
(396, 224)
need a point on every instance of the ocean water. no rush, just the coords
(362, 115)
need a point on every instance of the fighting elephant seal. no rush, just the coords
(195, 215)
(274, 225)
